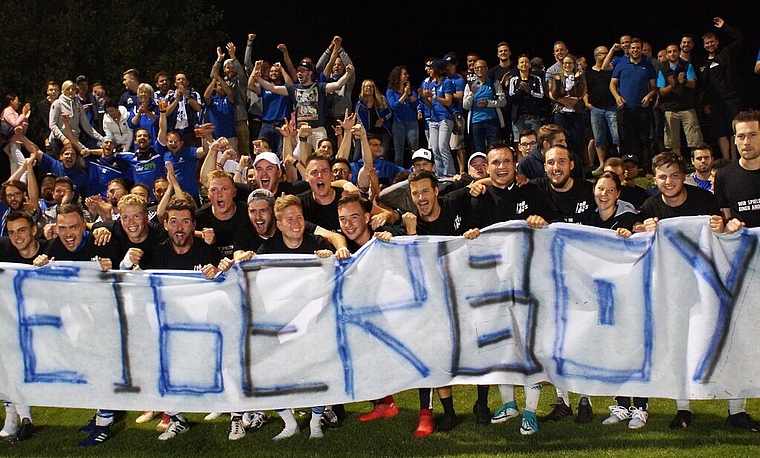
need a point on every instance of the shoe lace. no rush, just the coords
(619, 411)
(638, 413)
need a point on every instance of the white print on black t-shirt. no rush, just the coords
(749, 205)
(521, 207)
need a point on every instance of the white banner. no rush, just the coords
(672, 315)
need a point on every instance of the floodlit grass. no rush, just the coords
(56, 435)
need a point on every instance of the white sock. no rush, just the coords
(683, 404)
(507, 393)
(561, 393)
(24, 411)
(532, 394)
(736, 406)
(289, 419)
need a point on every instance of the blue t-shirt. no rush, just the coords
(77, 175)
(221, 113)
(439, 112)
(405, 111)
(102, 171)
(459, 83)
(276, 107)
(483, 114)
(184, 163)
(146, 170)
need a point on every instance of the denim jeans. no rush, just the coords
(483, 134)
(440, 135)
(409, 131)
(603, 121)
(275, 139)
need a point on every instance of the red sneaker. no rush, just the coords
(163, 425)
(425, 427)
(380, 411)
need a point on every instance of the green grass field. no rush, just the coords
(56, 435)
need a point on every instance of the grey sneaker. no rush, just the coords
(176, 427)
(639, 418)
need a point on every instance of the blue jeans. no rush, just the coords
(521, 124)
(269, 131)
(483, 134)
(440, 135)
(409, 131)
(602, 121)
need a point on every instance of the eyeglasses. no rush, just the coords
(528, 144)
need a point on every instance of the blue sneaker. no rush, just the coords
(529, 424)
(506, 412)
(98, 435)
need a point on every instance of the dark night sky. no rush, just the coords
(405, 33)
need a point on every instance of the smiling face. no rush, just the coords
(303, 75)
(14, 197)
(21, 233)
(291, 224)
(174, 142)
(144, 95)
(70, 227)
(368, 89)
(501, 167)
(560, 51)
(62, 190)
(711, 44)
(134, 221)
(53, 91)
(425, 198)
(669, 179)
(354, 221)
(341, 171)
(503, 53)
(261, 215)
(180, 225)
(160, 186)
(687, 44)
(673, 54)
(606, 194)
(162, 83)
(558, 166)
(747, 140)
(68, 158)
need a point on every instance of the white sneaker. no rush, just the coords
(237, 431)
(212, 416)
(617, 414)
(316, 433)
(286, 432)
(254, 420)
(146, 416)
(639, 418)
(176, 427)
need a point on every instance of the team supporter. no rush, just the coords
(275, 107)
(611, 212)
(383, 168)
(504, 200)
(15, 195)
(103, 166)
(438, 96)
(483, 100)
(532, 164)
(146, 164)
(435, 216)
(574, 199)
(526, 94)
(182, 113)
(320, 203)
(23, 247)
(293, 239)
(183, 158)
(701, 159)
(225, 218)
(220, 107)
(737, 186)
(675, 198)
(631, 192)
(403, 100)
(145, 115)
(599, 100)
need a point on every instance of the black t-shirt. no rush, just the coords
(252, 243)
(325, 216)
(226, 231)
(87, 251)
(200, 254)
(454, 210)
(634, 195)
(739, 189)
(576, 205)
(309, 245)
(698, 202)
(598, 83)
(156, 235)
(511, 203)
(9, 253)
(244, 189)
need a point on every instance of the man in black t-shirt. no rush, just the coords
(574, 199)
(224, 218)
(737, 185)
(675, 197)
(435, 215)
(292, 239)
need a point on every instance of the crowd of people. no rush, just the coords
(277, 158)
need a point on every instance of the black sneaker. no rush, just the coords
(482, 414)
(585, 412)
(560, 411)
(330, 419)
(448, 422)
(26, 431)
(744, 421)
(682, 420)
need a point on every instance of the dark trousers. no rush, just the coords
(634, 126)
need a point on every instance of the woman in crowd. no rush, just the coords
(374, 113)
(13, 119)
(403, 101)
(145, 115)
